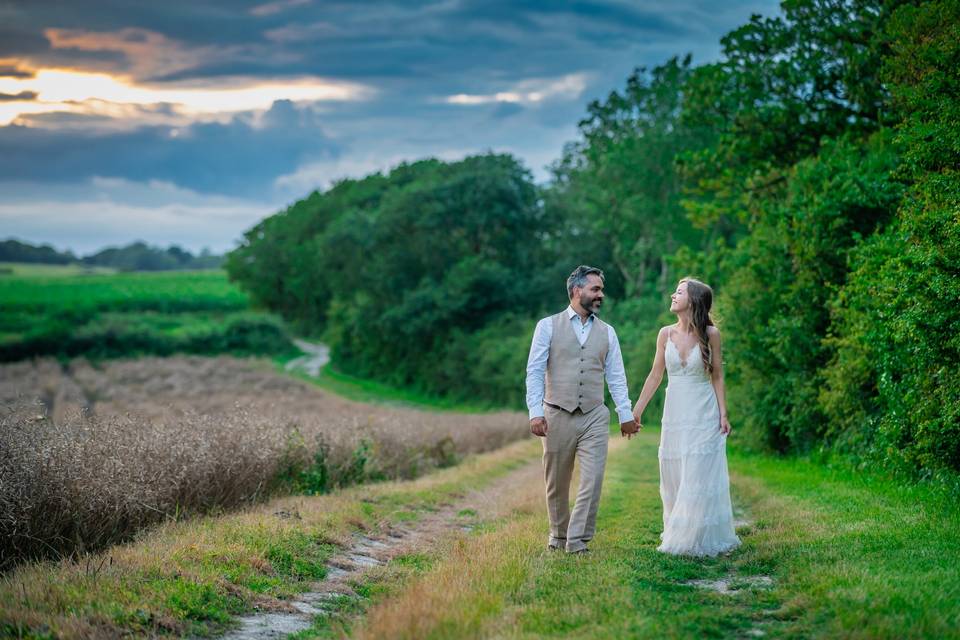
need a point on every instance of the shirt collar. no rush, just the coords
(571, 314)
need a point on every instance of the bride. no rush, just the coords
(694, 487)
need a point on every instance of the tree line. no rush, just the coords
(811, 175)
(136, 256)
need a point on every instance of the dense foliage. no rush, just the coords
(810, 175)
(894, 382)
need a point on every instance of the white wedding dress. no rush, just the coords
(694, 484)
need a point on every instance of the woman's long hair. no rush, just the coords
(701, 299)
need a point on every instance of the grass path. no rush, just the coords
(826, 554)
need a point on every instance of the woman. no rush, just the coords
(694, 486)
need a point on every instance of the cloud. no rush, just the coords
(146, 52)
(10, 70)
(530, 91)
(101, 94)
(242, 156)
(293, 33)
(272, 8)
(442, 42)
(23, 96)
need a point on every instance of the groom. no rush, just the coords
(571, 354)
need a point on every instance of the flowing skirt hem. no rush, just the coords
(700, 550)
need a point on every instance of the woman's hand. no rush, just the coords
(636, 416)
(724, 425)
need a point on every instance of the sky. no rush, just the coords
(187, 122)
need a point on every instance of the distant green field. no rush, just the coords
(23, 269)
(54, 288)
(68, 311)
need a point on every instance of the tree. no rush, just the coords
(619, 183)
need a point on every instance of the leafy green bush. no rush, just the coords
(894, 384)
(781, 278)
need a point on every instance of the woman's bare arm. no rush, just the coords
(716, 359)
(654, 378)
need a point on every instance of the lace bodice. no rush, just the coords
(678, 368)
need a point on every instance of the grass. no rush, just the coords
(374, 392)
(191, 578)
(849, 557)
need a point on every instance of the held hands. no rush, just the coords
(724, 425)
(538, 426)
(629, 429)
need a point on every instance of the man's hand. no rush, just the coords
(629, 428)
(538, 426)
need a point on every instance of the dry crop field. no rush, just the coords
(90, 454)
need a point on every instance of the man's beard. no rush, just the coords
(588, 303)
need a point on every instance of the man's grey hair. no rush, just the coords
(579, 277)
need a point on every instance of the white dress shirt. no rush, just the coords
(613, 369)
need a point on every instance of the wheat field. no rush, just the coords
(90, 454)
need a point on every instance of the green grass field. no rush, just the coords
(372, 391)
(41, 270)
(47, 290)
(69, 311)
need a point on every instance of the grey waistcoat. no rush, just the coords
(574, 373)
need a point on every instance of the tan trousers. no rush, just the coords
(582, 437)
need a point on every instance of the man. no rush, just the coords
(571, 354)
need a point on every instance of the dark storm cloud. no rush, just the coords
(23, 41)
(23, 95)
(13, 71)
(414, 54)
(240, 157)
(488, 40)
